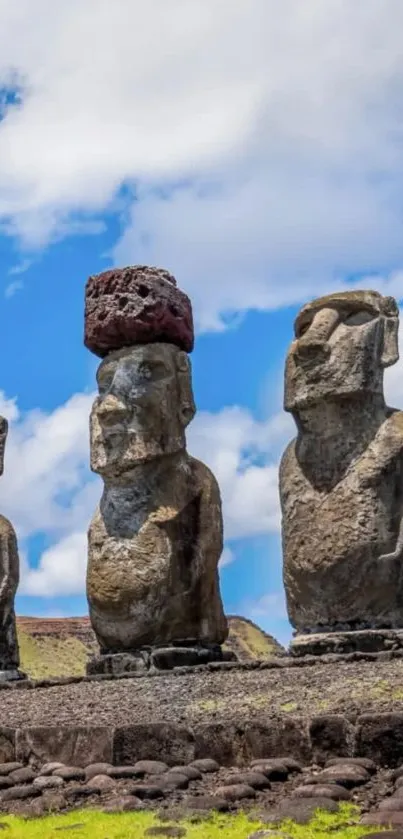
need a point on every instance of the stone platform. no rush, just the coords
(363, 640)
(159, 658)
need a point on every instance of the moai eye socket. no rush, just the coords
(358, 318)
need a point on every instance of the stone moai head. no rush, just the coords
(145, 403)
(3, 440)
(140, 323)
(342, 344)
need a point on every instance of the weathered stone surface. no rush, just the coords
(277, 737)
(124, 804)
(337, 642)
(95, 769)
(235, 792)
(206, 765)
(9, 579)
(164, 741)
(300, 810)
(136, 305)
(330, 734)
(22, 776)
(70, 773)
(76, 745)
(48, 782)
(224, 743)
(101, 783)
(20, 792)
(6, 768)
(332, 791)
(341, 479)
(156, 538)
(365, 762)
(380, 737)
(345, 776)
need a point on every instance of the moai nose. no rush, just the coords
(314, 350)
(111, 409)
(313, 344)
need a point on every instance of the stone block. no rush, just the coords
(223, 742)
(154, 741)
(380, 737)
(331, 735)
(7, 745)
(278, 737)
(72, 746)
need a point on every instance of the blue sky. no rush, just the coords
(261, 172)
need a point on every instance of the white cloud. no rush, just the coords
(12, 288)
(61, 570)
(262, 139)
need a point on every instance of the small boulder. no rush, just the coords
(332, 791)
(22, 776)
(49, 768)
(345, 776)
(191, 772)
(256, 779)
(6, 768)
(206, 804)
(147, 791)
(18, 793)
(101, 783)
(96, 769)
(174, 780)
(235, 792)
(70, 773)
(205, 765)
(273, 770)
(48, 782)
(150, 767)
(365, 762)
(124, 804)
(386, 817)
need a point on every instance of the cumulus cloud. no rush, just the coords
(260, 140)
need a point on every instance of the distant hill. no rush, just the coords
(61, 646)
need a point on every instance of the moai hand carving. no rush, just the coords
(9, 579)
(156, 538)
(341, 479)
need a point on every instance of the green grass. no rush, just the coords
(43, 657)
(95, 825)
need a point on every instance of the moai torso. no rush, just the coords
(341, 480)
(9, 579)
(156, 538)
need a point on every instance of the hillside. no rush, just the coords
(60, 646)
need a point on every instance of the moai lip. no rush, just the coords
(136, 305)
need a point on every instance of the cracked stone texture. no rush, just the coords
(136, 305)
(156, 537)
(9, 579)
(341, 480)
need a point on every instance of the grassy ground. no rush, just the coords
(88, 824)
(46, 656)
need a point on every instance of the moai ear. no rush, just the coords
(390, 351)
(186, 405)
(3, 438)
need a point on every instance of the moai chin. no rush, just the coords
(341, 478)
(9, 579)
(156, 537)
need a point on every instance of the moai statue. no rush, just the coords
(156, 538)
(341, 479)
(9, 579)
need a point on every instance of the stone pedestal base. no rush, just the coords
(363, 640)
(13, 675)
(156, 658)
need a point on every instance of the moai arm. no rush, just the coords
(9, 565)
(396, 421)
